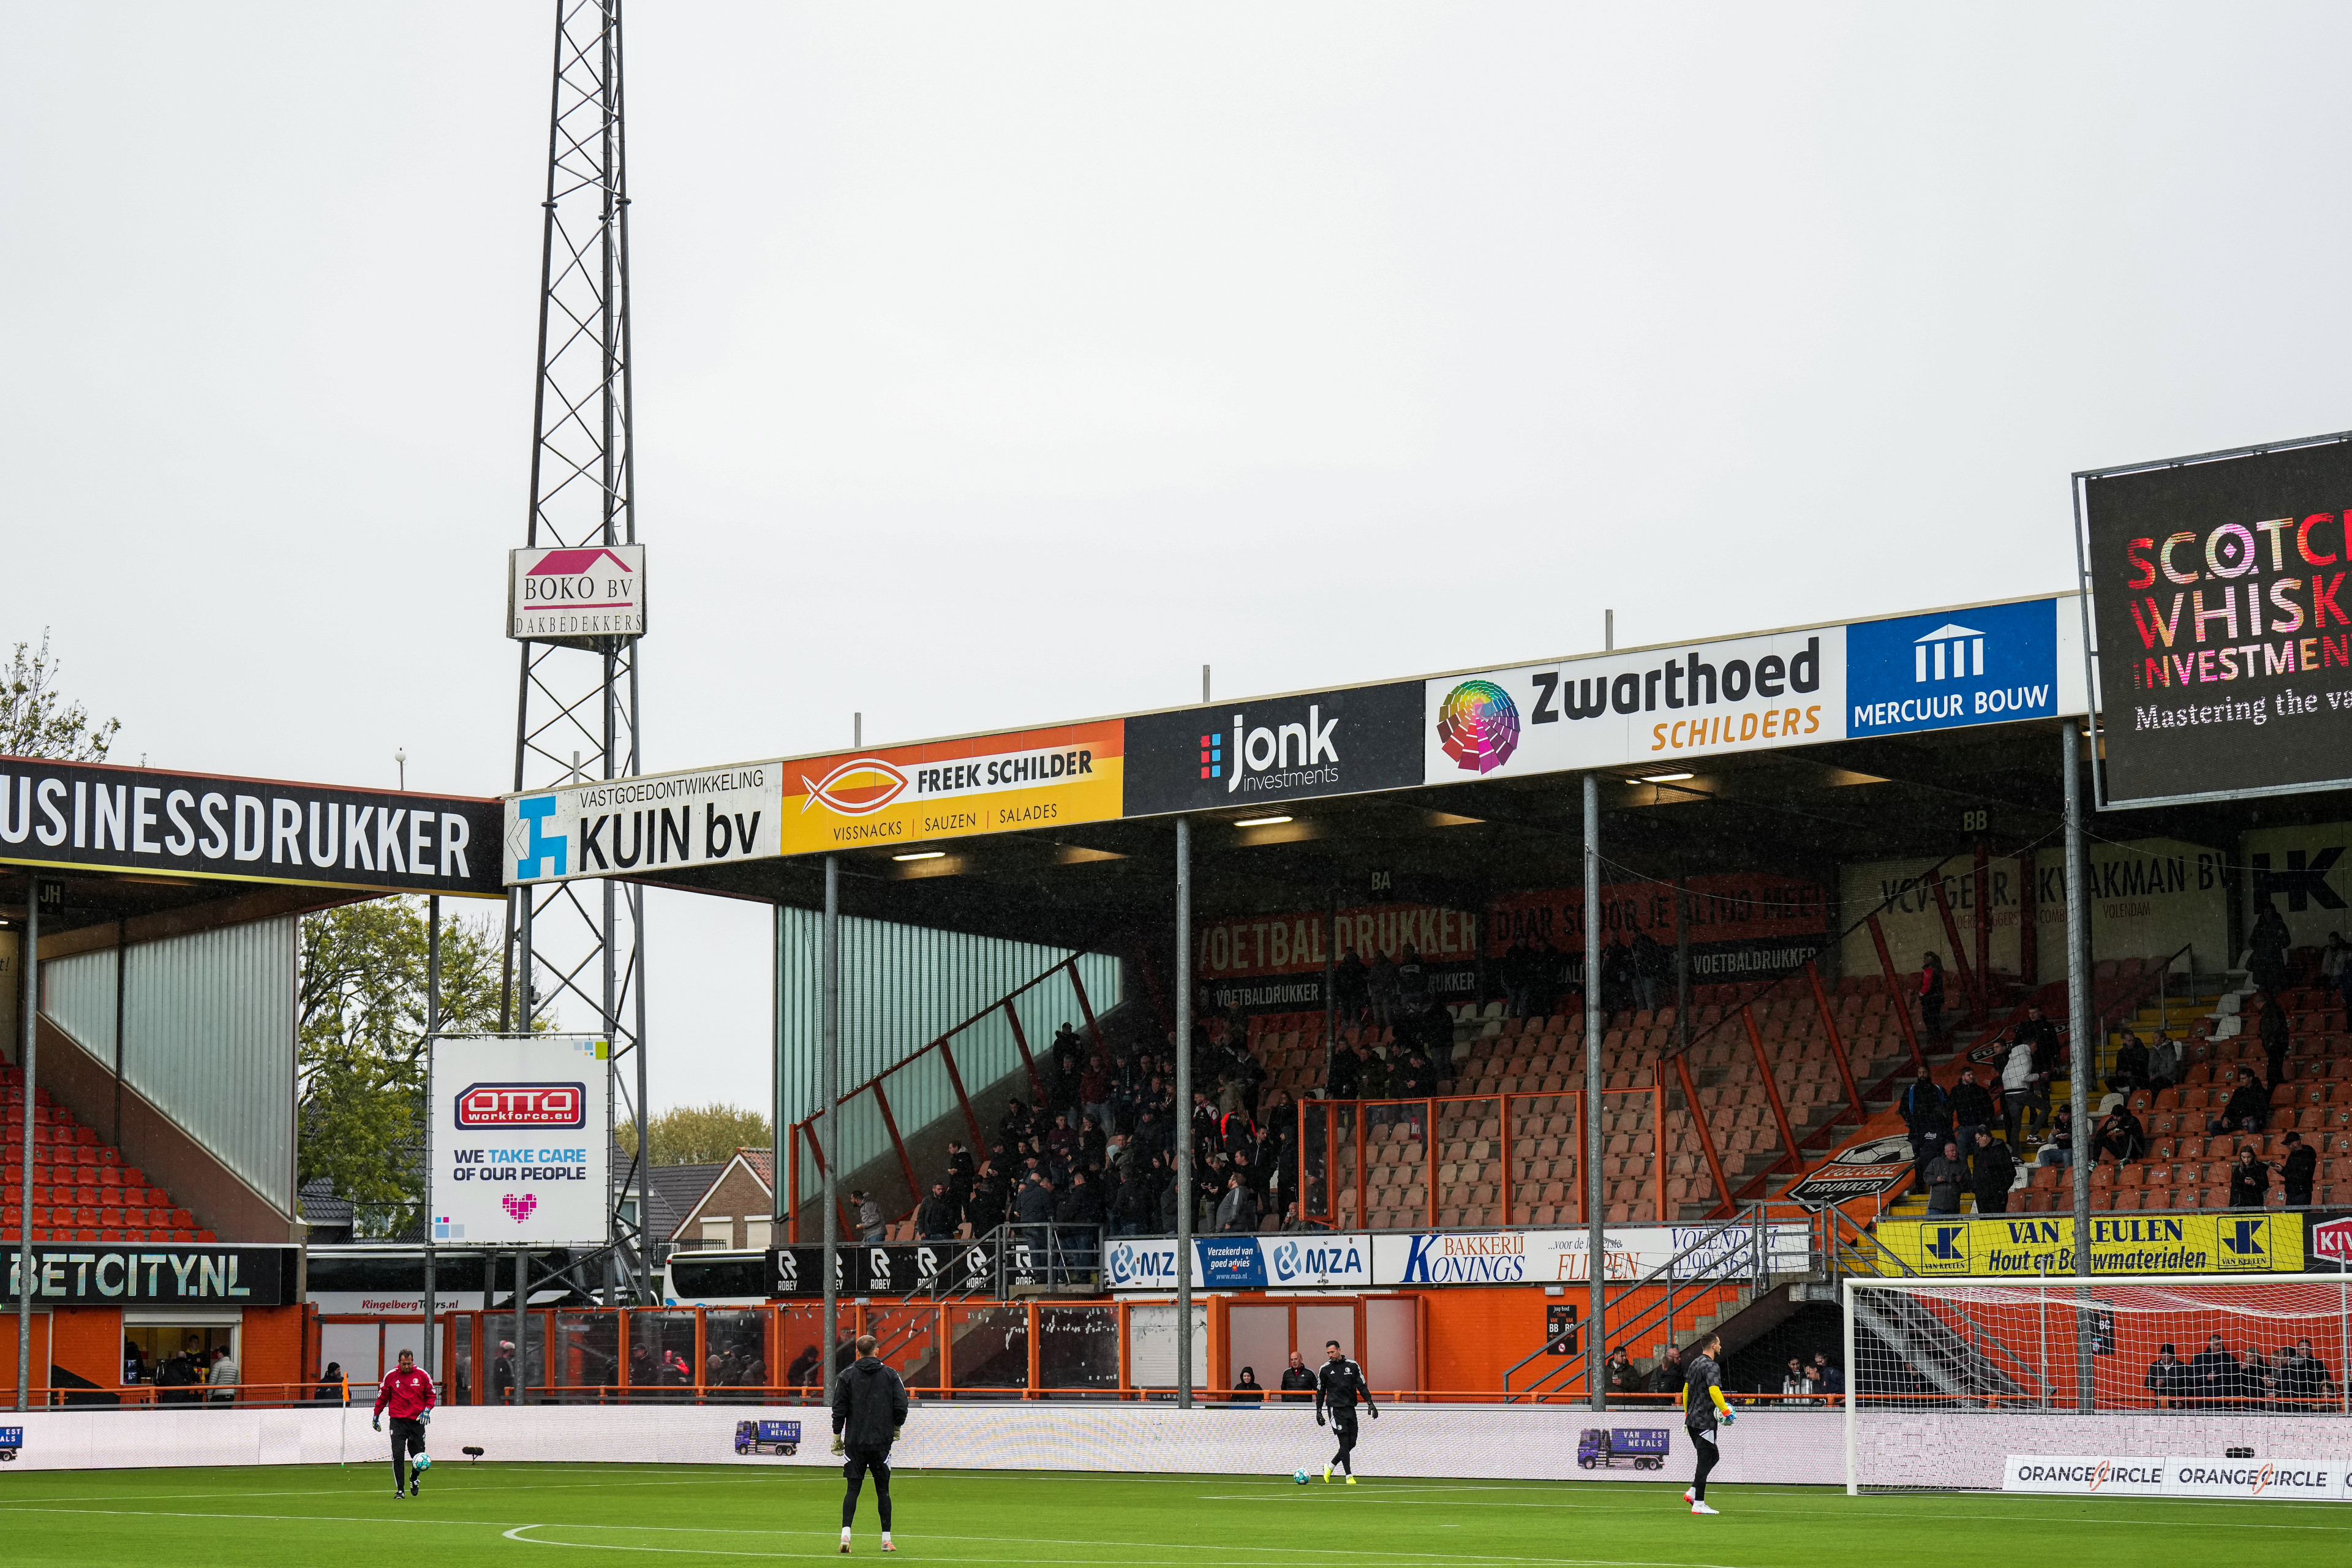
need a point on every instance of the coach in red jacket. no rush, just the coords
(408, 1390)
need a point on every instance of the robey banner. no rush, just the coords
(521, 1131)
(254, 830)
(2224, 626)
(659, 822)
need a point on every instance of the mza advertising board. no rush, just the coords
(2222, 624)
(520, 1130)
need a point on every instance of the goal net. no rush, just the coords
(1950, 1378)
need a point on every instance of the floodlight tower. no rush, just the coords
(576, 708)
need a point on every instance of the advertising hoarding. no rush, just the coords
(1980, 666)
(92, 815)
(559, 594)
(1864, 1170)
(1269, 750)
(2028, 1246)
(1302, 1260)
(2296, 1478)
(1629, 1253)
(896, 795)
(2222, 629)
(151, 1274)
(520, 1131)
(658, 822)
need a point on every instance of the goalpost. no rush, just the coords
(1947, 1378)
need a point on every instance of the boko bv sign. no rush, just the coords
(1275, 749)
(2223, 623)
(560, 595)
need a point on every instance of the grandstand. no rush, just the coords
(78, 1188)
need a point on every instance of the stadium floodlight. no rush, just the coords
(1666, 778)
(1260, 822)
(922, 854)
(1951, 1380)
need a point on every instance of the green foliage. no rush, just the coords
(699, 1134)
(362, 1062)
(35, 721)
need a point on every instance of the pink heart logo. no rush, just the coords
(520, 1207)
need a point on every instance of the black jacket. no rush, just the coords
(2249, 1184)
(1079, 1206)
(1971, 1105)
(936, 1215)
(1035, 1205)
(1298, 1385)
(1925, 1109)
(1993, 1168)
(869, 1404)
(2301, 1165)
(2251, 1102)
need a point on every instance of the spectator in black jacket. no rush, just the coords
(1991, 1170)
(2249, 1109)
(2120, 1132)
(1347, 1072)
(2213, 1375)
(1349, 989)
(1927, 1114)
(2273, 1028)
(2300, 1168)
(934, 1216)
(2302, 1377)
(986, 1208)
(2250, 1180)
(1666, 1377)
(1081, 1205)
(1971, 1109)
(2130, 1071)
(1033, 1206)
(2167, 1378)
(1297, 1382)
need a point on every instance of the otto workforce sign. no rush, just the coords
(896, 795)
(2028, 1246)
(2223, 624)
(521, 1131)
(662, 822)
(559, 594)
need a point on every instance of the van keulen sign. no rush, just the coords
(2224, 626)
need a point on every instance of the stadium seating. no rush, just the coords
(80, 1190)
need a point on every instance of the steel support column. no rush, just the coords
(28, 1047)
(1183, 1141)
(1595, 1209)
(829, 1090)
(2078, 1010)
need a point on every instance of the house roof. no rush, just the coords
(760, 1163)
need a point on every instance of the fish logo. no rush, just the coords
(858, 787)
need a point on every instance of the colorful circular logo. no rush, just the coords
(1478, 725)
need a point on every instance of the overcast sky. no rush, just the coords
(1001, 365)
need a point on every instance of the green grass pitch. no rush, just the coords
(679, 1515)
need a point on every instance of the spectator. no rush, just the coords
(1543, 976)
(1349, 992)
(2331, 960)
(1621, 1377)
(1062, 1140)
(1971, 1109)
(961, 1177)
(986, 1208)
(1829, 1378)
(2166, 1378)
(2249, 1109)
(2164, 1062)
(1297, 1381)
(2018, 1087)
(2250, 1180)
(2271, 1027)
(1413, 982)
(1666, 1377)
(179, 1374)
(2121, 1133)
(2268, 943)
(1994, 1171)
(330, 1388)
(2302, 1376)
(2129, 1072)
(2255, 1383)
(2298, 1169)
(1248, 1390)
(1383, 987)
(1931, 997)
(1081, 1205)
(935, 1217)
(1033, 1206)
(1517, 978)
(2213, 1375)
(2060, 1150)
(801, 1374)
(1093, 1089)
(1794, 1385)
(502, 1374)
(1651, 966)
(1237, 1211)
(869, 1216)
(1946, 1176)
(1927, 1113)
(1346, 1075)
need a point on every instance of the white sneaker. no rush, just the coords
(1701, 1507)
(1686, 1495)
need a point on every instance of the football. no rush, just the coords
(423, 1462)
(1298, 1476)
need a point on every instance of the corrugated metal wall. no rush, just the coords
(208, 1037)
(902, 987)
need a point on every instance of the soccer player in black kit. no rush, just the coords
(1702, 1403)
(869, 1407)
(1337, 1388)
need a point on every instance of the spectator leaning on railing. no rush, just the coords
(2213, 1375)
(2167, 1379)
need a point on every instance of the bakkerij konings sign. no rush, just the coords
(658, 822)
(87, 815)
(556, 593)
(2224, 629)
(1978, 666)
(520, 1137)
(97, 1275)
(894, 795)
(1561, 1257)
(1272, 749)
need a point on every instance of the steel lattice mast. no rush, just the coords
(577, 711)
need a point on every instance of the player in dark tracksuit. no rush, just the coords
(870, 1405)
(1337, 1388)
(1702, 1405)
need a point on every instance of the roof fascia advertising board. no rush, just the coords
(608, 827)
(101, 818)
(2218, 631)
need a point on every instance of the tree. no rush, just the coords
(35, 721)
(699, 1134)
(360, 1061)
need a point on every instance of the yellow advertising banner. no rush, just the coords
(2023, 1247)
(896, 795)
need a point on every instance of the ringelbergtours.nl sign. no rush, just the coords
(83, 1275)
(2223, 624)
(2026, 1246)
